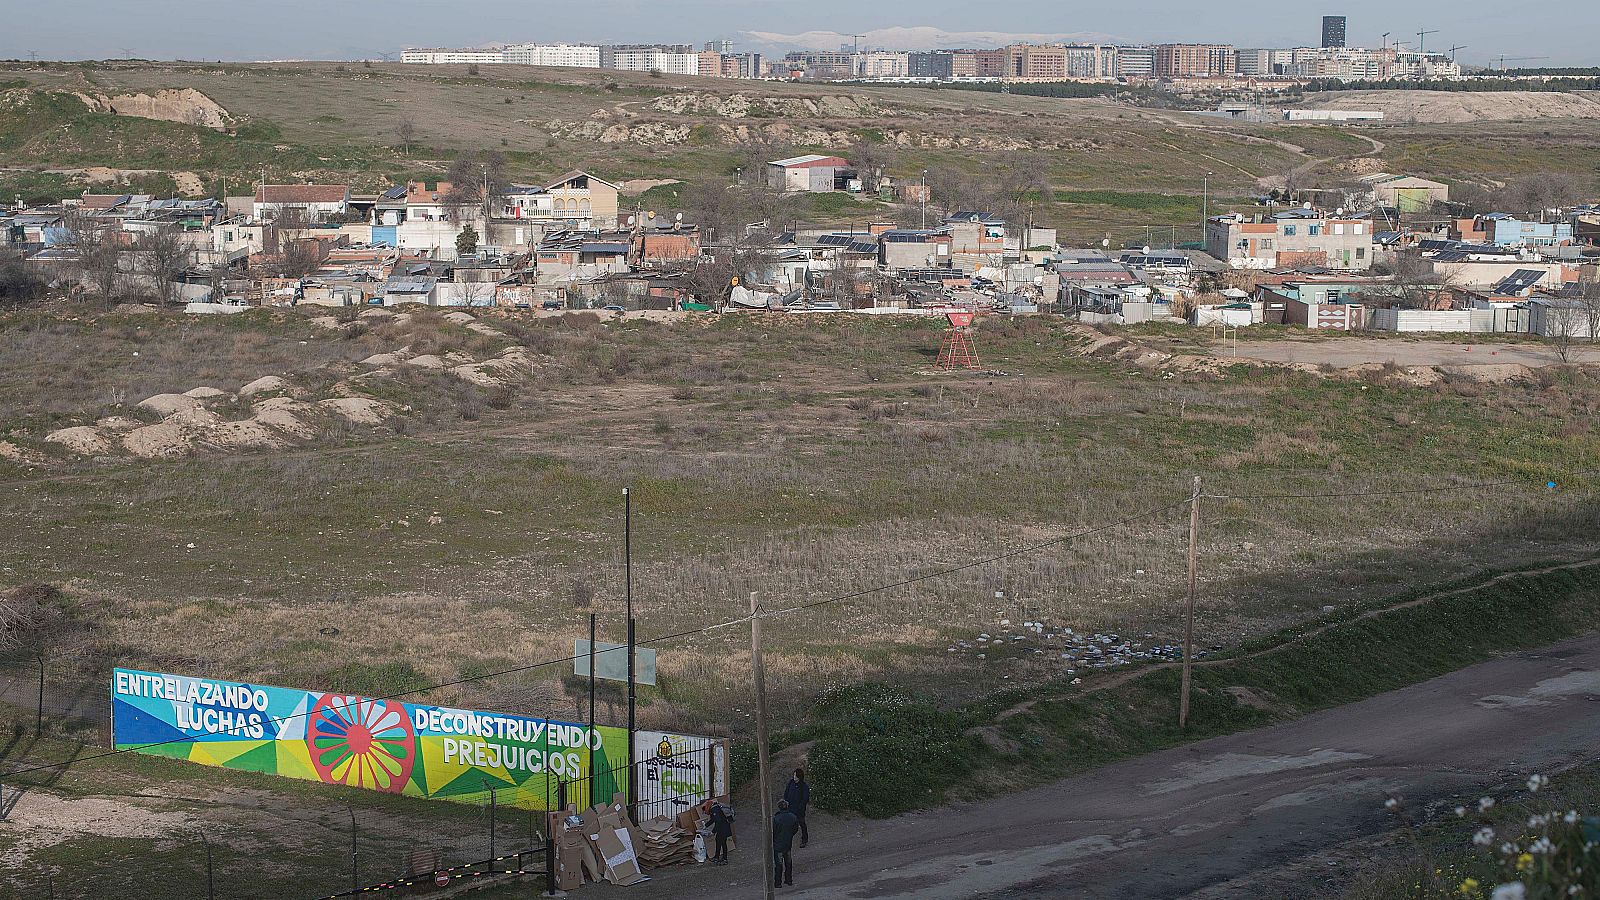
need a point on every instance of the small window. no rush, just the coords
(1338, 228)
(1313, 230)
(1266, 243)
(1288, 231)
(1361, 253)
(1361, 228)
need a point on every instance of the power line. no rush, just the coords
(677, 635)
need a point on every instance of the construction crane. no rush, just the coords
(1454, 49)
(1386, 39)
(1422, 35)
(857, 38)
(1503, 58)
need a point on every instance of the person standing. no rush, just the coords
(784, 825)
(798, 795)
(721, 829)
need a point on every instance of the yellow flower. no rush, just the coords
(1469, 888)
(1524, 862)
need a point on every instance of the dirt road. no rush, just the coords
(1173, 823)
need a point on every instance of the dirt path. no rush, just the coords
(1192, 818)
(1346, 352)
(1122, 678)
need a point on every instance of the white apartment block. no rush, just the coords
(881, 64)
(669, 60)
(575, 56)
(1096, 61)
(451, 57)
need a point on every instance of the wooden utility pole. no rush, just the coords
(1188, 626)
(759, 675)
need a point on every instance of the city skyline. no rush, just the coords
(56, 31)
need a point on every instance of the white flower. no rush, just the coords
(1542, 847)
(1484, 803)
(1461, 812)
(1511, 891)
(1391, 804)
(1575, 890)
(1571, 817)
(1508, 849)
(1535, 782)
(1484, 837)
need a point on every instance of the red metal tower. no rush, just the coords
(956, 351)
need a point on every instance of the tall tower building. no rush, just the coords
(1333, 31)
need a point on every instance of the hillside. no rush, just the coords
(1098, 167)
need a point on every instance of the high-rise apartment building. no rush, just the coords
(1096, 61)
(1136, 62)
(1195, 60)
(931, 64)
(1333, 31)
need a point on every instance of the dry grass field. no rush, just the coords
(803, 461)
(806, 458)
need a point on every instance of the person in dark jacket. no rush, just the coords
(721, 829)
(798, 796)
(784, 825)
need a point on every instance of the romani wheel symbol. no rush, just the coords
(361, 743)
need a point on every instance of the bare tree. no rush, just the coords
(100, 245)
(870, 159)
(1413, 283)
(164, 257)
(405, 131)
(18, 283)
(1563, 326)
(1589, 303)
(478, 182)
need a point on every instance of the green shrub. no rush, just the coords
(881, 752)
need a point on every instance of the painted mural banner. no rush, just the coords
(677, 771)
(416, 750)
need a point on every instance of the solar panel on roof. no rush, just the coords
(1519, 281)
(1450, 256)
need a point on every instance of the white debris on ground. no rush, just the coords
(1076, 650)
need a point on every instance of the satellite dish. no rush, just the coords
(1105, 242)
(1146, 248)
(652, 213)
(1339, 211)
(630, 220)
(678, 217)
(1306, 205)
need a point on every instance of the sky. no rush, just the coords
(351, 29)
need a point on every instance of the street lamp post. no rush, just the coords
(1205, 202)
(923, 196)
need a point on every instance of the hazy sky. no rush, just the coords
(326, 29)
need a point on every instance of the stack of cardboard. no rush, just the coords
(598, 843)
(667, 842)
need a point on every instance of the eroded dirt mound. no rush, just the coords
(1465, 106)
(185, 105)
(741, 105)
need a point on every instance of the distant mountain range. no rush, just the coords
(921, 37)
